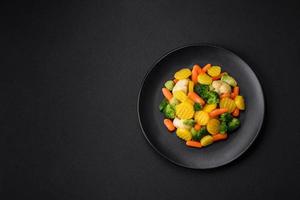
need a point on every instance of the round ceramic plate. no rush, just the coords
(168, 144)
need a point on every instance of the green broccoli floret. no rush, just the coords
(226, 117)
(212, 97)
(223, 127)
(233, 124)
(163, 104)
(203, 131)
(169, 85)
(197, 107)
(197, 135)
(169, 111)
(201, 90)
(189, 122)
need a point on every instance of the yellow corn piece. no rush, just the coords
(214, 71)
(227, 103)
(213, 126)
(206, 140)
(191, 86)
(184, 134)
(202, 117)
(180, 95)
(209, 107)
(204, 79)
(240, 102)
(183, 74)
(184, 110)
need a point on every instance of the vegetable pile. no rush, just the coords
(202, 105)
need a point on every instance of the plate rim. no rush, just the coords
(152, 68)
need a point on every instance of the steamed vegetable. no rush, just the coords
(233, 124)
(221, 87)
(169, 111)
(228, 103)
(240, 102)
(184, 110)
(226, 117)
(167, 94)
(184, 134)
(219, 136)
(180, 95)
(195, 144)
(212, 97)
(183, 74)
(191, 86)
(196, 98)
(178, 123)
(163, 104)
(206, 140)
(223, 127)
(169, 85)
(189, 122)
(204, 79)
(201, 117)
(214, 71)
(228, 79)
(181, 85)
(217, 112)
(209, 107)
(169, 124)
(205, 68)
(197, 106)
(213, 126)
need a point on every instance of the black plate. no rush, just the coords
(170, 146)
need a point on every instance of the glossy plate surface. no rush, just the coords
(168, 144)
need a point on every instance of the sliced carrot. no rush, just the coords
(197, 127)
(167, 93)
(218, 77)
(195, 71)
(219, 136)
(217, 112)
(175, 80)
(196, 98)
(192, 143)
(224, 95)
(236, 112)
(205, 68)
(236, 91)
(169, 124)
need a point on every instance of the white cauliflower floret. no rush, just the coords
(181, 85)
(221, 87)
(178, 123)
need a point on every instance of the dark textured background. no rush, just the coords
(69, 80)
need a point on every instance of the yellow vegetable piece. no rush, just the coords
(214, 71)
(190, 101)
(240, 102)
(184, 134)
(206, 140)
(227, 103)
(201, 117)
(209, 107)
(184, 110)
(204, 79)
(183, 73)
(191, 86)
(213, 126)
(180, 95)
